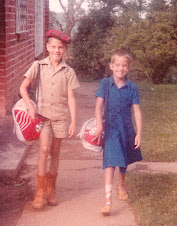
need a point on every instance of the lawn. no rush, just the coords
(159, 110)
(153, 198)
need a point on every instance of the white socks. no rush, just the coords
(108, 190)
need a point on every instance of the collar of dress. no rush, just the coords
(112, 82)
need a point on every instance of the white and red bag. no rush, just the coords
(26, 129)
(89, 127)
(87, 135)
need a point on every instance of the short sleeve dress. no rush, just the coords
(119, 131)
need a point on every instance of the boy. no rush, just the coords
(56, 91)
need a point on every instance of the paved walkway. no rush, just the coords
(81, 195)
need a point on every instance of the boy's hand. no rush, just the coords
(72, 129)
(31, 112)
(137, 141)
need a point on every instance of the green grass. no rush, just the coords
(154, 198)
(159, 110)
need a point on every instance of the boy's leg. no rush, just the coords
(121, 187)
(60, 131)
(40, 199)
(54, 156)
(44, 150)
(53, 171)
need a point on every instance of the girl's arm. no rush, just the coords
(72, 109)
(98, 116)
(24, 93)
(138, 121)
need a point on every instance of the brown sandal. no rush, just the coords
(106, 210)
(123, 196)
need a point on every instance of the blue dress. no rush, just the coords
(119, 131)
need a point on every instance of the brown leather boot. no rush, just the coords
(50, 190)
(40, 199)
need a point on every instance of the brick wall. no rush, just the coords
(2, 58)
(17, 51)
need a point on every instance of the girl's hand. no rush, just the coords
(137, 141)
(98, 134)
(72, 129)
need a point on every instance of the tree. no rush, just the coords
(89, 60)
(158, 6)
(91, 35)
(53, 22)
(72, 13)
(151, 40)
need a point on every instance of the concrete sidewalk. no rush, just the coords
(80, 187)
(12, 152)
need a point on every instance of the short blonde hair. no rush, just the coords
(121, 53)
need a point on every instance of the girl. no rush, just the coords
(122, 144)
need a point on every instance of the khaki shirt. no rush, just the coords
(53, 88)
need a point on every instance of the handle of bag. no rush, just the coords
(37, 89)
(106, 100)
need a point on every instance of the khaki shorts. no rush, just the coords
(57, 127)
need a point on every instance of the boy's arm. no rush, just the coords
(72, 109)
(24, 93)
(138, 120)
(98, 116)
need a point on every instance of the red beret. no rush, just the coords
(59, 35)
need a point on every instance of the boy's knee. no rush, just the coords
(44, 150)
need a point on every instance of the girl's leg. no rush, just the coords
(109, 178)
(121, 188)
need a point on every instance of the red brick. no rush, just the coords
(2, 78)
(2, 59)
(19, 50)
(2, 74)
(2, 66)
(10, 16)
(2, 51)
(2, 86)
(2, 44)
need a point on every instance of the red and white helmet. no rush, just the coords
(87, 134)
(26, 130)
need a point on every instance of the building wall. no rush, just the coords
(17, 51)
(2, 59)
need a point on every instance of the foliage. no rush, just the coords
(91, 35)
(148, 31)
(171, 76)
(151, 40)
(158, 6)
